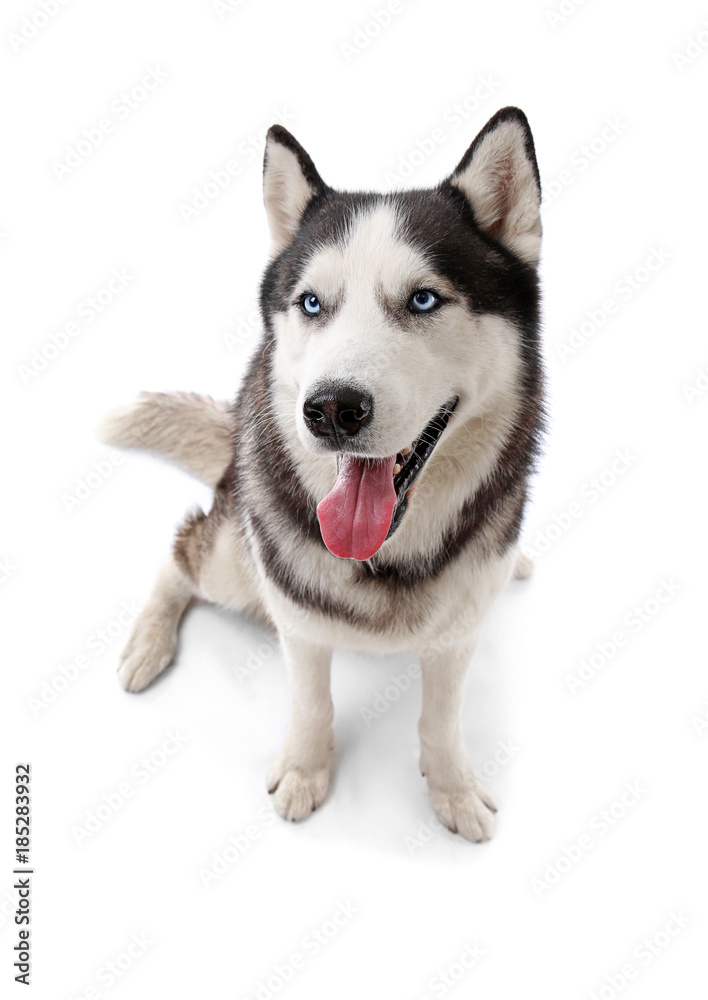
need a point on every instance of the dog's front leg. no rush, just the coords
(300, 774)
(460, 800)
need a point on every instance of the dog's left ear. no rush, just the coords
(498, 176)
(290, 182)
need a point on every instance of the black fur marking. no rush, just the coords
(263, 457)
(439, 224)
(281, 571)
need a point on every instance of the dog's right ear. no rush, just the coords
(290, 182)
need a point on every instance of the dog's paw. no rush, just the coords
(468, 811)
(146, 655)
(523, 567)
(297, 791)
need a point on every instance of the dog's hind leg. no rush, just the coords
(153, 641)
(208, 563)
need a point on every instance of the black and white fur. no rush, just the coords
(475, 239)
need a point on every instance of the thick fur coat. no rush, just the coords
(371, 478)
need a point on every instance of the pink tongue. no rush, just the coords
(356, 515)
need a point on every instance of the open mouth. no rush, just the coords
(370, 497)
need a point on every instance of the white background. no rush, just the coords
(421, 897)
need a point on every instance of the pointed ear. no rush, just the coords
(290, 182)
(498, 176)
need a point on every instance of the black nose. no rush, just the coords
(335, 411)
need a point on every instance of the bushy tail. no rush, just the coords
(194, 431)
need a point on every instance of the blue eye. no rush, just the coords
(311, 305)
(423, 301)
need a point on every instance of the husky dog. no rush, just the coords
(370, 481)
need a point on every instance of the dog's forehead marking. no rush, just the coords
(374, 255)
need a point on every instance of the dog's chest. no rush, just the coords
(343, 607)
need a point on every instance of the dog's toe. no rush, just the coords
(142, 661)
(296, 794)
(523, 567)
(469, 812)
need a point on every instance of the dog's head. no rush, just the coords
(391, 312)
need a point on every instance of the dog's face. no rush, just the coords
(391, 312)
